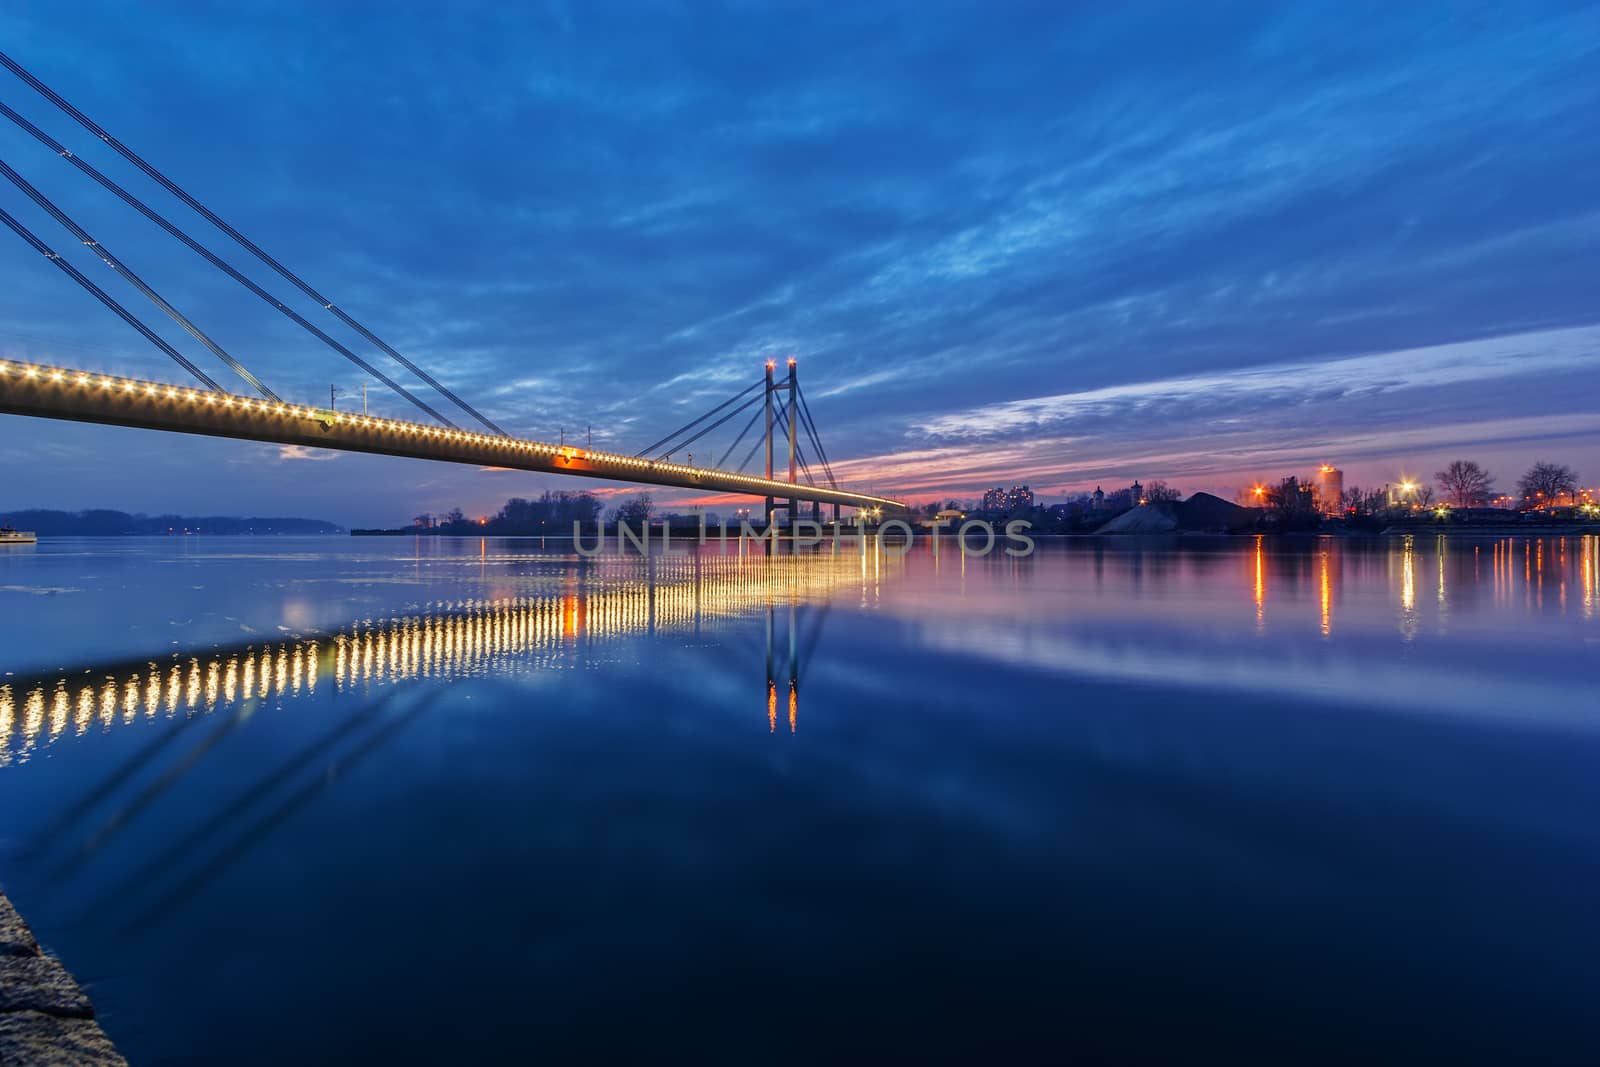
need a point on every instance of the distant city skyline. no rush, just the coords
(1060, 247)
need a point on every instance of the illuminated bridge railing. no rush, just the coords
(441, 641)
(73, 395)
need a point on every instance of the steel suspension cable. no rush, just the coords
(133, 279)
(748, 456)
(732, 414)
(753, 417)
(212, 258)
(799, 453)
(812, 436)
(107, 299)
(805, 424)
(250, 246)
(809, 639)
(686, 428)
(778, 420)
(816, 437)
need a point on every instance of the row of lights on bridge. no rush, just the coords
(228, 400)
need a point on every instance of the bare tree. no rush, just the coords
(1158, 492)
(1292, 501)
(1464, 483)
(1359, 501)
(1545, 483)
(635, 510)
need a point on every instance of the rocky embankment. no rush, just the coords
(45, 1018)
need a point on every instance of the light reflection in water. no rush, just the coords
(618, 597)
(1261, 586)
(1408, 589)
(1408, 577)
(58, 710)
(1591, 564)
(448, 640)
(8, 722)
(33, 714)
(174, 688)
(1441, 554)
(84, 718)
(1326, 594)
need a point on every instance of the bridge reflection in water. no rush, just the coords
(606, 599)
(616, 596)
(598, 605)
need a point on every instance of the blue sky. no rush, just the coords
(1066, 244)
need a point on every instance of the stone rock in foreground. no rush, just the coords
(45, 1018)
(15, 937)
(39, 983)
(34, 1039)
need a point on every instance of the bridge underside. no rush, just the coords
(77, 396)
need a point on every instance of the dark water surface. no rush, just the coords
(332, 800)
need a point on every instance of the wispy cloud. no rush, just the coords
(299, 453)
(1077, 243)
(1252, 390)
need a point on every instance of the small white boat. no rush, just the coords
(8, 536)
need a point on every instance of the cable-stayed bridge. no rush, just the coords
(778, 415)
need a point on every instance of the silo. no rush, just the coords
(1330, 490)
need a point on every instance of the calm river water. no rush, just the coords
(459, 801)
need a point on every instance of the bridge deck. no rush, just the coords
(58, 393)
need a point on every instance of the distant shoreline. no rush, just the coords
(54, 536)
(1498, 529)
(681, 534)
(106, 522)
